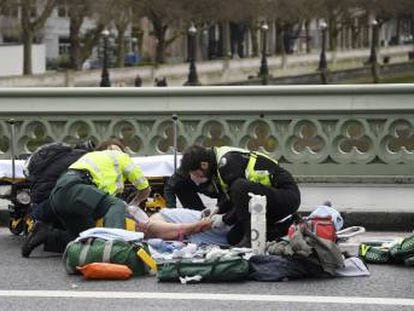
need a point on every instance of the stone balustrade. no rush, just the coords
(320, 133)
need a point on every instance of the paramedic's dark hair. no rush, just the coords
(192, 158)
(113, 141)
(87, 145)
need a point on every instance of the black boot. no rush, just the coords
(244, 242)
(246, 239)
(37, 237)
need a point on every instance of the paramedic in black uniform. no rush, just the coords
(236, 172)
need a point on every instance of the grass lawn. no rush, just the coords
(399, 79)
(405, 78)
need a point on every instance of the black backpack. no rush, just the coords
(42, 157)
(45, 166)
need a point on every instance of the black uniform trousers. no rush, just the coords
(78, 203)
(282, 201)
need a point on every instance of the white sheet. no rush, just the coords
(152, 166)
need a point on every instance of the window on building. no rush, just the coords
(10, 38)
(64, 46)
(9, 11)
(33, 12)
(62, 9)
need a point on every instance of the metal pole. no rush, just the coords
(373, 58)
(264, 69)
(12, 146)
(373, 54)
(175, 138)
(192, 74)
(105, 82)
(323, 64)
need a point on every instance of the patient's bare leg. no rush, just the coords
(157, 227)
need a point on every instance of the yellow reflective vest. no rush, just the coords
(109, 169)
(257, 176)
(130, 223)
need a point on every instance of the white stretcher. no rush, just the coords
(152, 166)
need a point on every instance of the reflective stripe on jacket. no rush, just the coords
(109, 169)
(257, 176)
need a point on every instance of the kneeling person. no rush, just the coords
(86, 193)
(240, 172)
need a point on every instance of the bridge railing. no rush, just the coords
(320, 133)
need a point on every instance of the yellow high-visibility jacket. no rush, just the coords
(257, 176)
(109, 169)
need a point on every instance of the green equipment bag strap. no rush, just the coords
(84, 252)
(213, 268)
(106, 256)
(65, 256)
(178, 268)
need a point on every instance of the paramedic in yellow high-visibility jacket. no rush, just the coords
(86, 193)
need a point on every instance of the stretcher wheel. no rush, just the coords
(16, 225)
(28, 224)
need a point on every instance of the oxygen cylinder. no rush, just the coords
(257, 208)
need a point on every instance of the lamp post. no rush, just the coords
(105, 82)
(264, 69)
(192, 74)
(323, 65)
(373, 57)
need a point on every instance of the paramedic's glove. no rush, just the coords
(217, 221)
(209, 212)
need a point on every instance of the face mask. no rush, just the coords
(198, 180)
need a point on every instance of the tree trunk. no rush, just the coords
(308, 37)
(159, 32)
(279, 39)
(90, 41)
(27, 39)
(333, 35)
(283, 47)
(355, 31)
(398, 32)
(27, 52)
(254, 38)
(226, 40)
(120, 48)
(29, 29)
(75, 43)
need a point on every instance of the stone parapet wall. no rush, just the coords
(343, 132)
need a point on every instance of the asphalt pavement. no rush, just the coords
(40, 283)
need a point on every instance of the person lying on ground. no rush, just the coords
(182, 223)
(159, 225)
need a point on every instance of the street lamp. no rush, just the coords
(105, 82)
(323, 65)
(264, 69)
(373, 57)
(192, 75)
